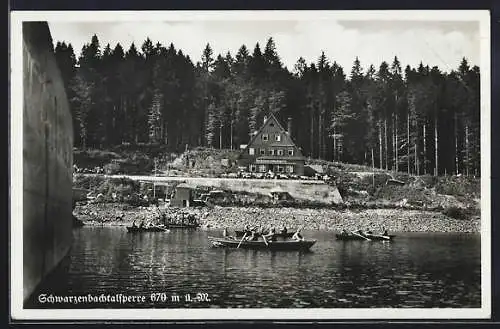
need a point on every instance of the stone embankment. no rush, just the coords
(394, 220)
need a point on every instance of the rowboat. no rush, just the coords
(278, 235)
(137, 229)
(230, 242)
(364, 237)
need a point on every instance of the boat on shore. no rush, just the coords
(284, 235)
(231, 242)
(363, 237)
(138, 229)
(186, 222)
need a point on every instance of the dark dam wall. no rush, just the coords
(47, 159)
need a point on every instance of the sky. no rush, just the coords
(435, 43)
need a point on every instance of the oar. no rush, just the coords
(383, 237)
(265, 241)
(364, 237)
(244, 236)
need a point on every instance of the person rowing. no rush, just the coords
(284, 230)
(271, 235)
(297, 236)
(252, 236)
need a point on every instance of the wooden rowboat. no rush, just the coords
(137, 229)
(261, 245)
(364, 237)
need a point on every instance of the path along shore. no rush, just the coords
(394, 220)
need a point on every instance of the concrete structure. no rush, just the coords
(47, 159)
(271, 148)
(183, 196)
(311, 190)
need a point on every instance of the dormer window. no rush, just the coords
(277, 137)
(280, 152)
(262, 151)
(251, 151)
(290, 152)
(265, 137)
(271, 152)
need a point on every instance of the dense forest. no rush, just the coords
(417, 120)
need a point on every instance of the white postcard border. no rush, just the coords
(16, 163)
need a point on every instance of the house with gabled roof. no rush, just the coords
(271, 148)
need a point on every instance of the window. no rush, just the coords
(280, 152)
(280, 168)
(289, 168)
(265, 137)
(262, 168)
(253, 168)
(262, 151)
(277, 137)
(290, 152)
(251, 151)
(271, 151)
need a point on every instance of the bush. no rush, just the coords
(459, 186)
(349, 181)
(456, 213)
(413, 195)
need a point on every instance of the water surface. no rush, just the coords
(415, 270)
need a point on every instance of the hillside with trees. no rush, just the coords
(416, 120)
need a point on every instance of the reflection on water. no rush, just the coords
(416, 270)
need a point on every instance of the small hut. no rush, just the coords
(183, 196)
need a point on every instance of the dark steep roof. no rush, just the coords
(271, 115)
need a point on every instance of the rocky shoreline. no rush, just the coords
(395, 220)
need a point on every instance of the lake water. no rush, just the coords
(415, 270)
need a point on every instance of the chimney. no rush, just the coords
(289, 128)
(265, 119)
